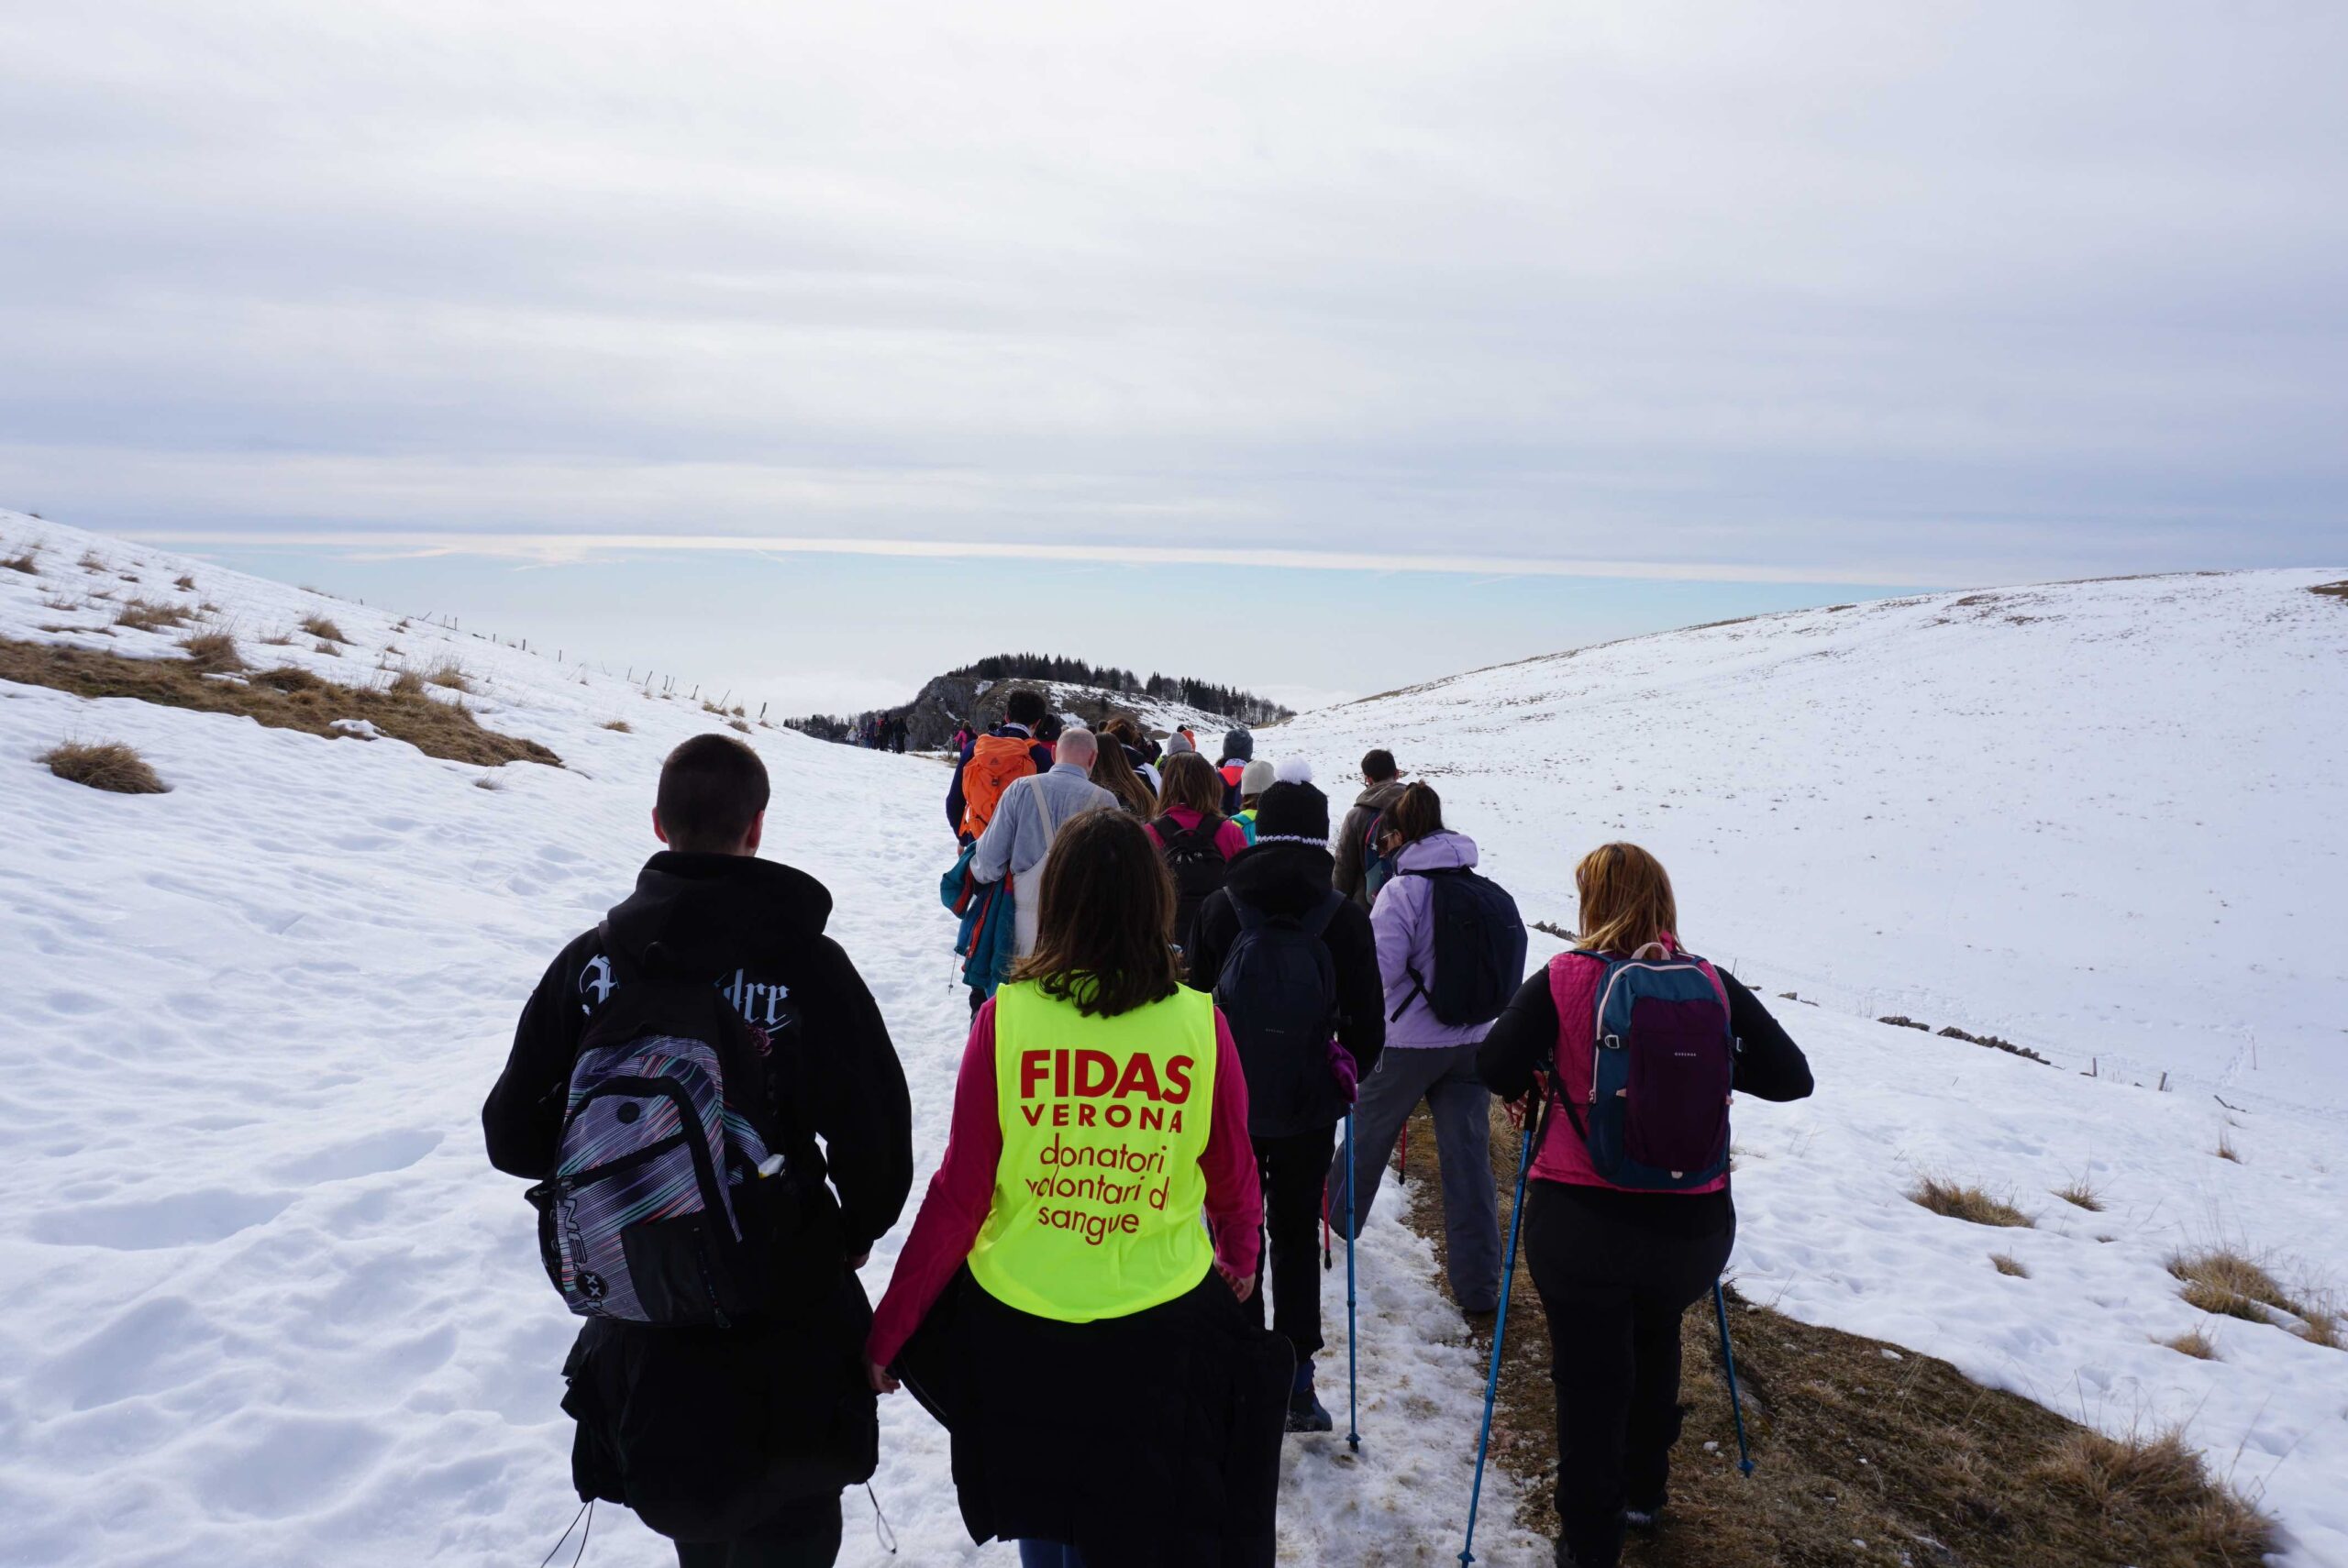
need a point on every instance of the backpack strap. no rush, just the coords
(1316, 919)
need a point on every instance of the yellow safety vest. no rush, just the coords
(1098, 1200)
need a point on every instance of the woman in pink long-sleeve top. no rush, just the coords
(1067, 1303)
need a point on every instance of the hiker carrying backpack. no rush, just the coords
(1450, 952)
(708, 1099)
(1361, 866)
(1194, 837)
(1294, 969)
(1627, 1215)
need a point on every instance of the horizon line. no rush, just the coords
(577, 548)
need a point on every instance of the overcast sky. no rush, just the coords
(1789, 302)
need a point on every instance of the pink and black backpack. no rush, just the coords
(1651, 1102)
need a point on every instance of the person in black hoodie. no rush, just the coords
(734, 1441)
(1296, 1096)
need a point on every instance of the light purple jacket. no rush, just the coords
(1406, 940)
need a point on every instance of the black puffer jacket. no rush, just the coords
(1285, 880)
(705, 1432)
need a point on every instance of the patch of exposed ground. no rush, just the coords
(1864, 1453)
(286, 697)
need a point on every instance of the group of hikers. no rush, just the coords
(881, 731)
(1183, 985)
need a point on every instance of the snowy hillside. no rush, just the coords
(269, 1307)
(2100, 820)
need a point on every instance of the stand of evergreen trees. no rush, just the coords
(1229, 701)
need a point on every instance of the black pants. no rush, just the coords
(805, 1535)
(1291, 1169)
(1616, 1272)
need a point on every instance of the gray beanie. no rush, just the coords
(1178, 743)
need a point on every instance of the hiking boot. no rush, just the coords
(1305, 1413)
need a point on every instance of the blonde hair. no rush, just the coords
(1626, 900)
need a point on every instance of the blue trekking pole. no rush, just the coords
(1728, 1359)
(1499, 1329)
(1353, 1336)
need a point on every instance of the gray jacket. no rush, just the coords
(1016, 838)
(1347, 877)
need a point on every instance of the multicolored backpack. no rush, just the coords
(1653, 1108)
(674, 1199)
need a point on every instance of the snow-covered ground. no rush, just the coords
(2100, 820)
(267, 1304)
(269, 1307)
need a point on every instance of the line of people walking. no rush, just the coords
(1183, 985)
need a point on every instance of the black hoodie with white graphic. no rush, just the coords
(709, 1432)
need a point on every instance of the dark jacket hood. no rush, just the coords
(1378, 797)
(708, 913)
(1280, 878)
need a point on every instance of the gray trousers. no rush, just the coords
(1446, 1078)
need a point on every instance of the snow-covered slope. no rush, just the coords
(267, 1304)
(2102, 820)
(269, 1307)
(2099, 819)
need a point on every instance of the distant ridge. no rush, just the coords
(974, 694)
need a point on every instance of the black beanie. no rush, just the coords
(1291, 812)
(1239, 745)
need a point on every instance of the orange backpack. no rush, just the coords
(996, 761)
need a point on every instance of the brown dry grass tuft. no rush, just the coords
(25, 562)
(2226, 1147)
(2081, 1194)
(1907, 1455)
(406, 684)
(450, 674)
(323, 629)
(329, 650)
(103, 765)
(2331, 590)
(2161, 1479)
(146, 615)
(2009, 1265)
(2222, 1281)
(2319, 1325)
(185, 582)
(92, 561)
(741, 724)
(286, 698)
(1968, 1203)
(214, 651)
(620, 724)
(2195, 1344)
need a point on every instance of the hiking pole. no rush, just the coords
(1353, 1333)
(1499, 1329)
(1328, 1258)
(1728, 1359)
